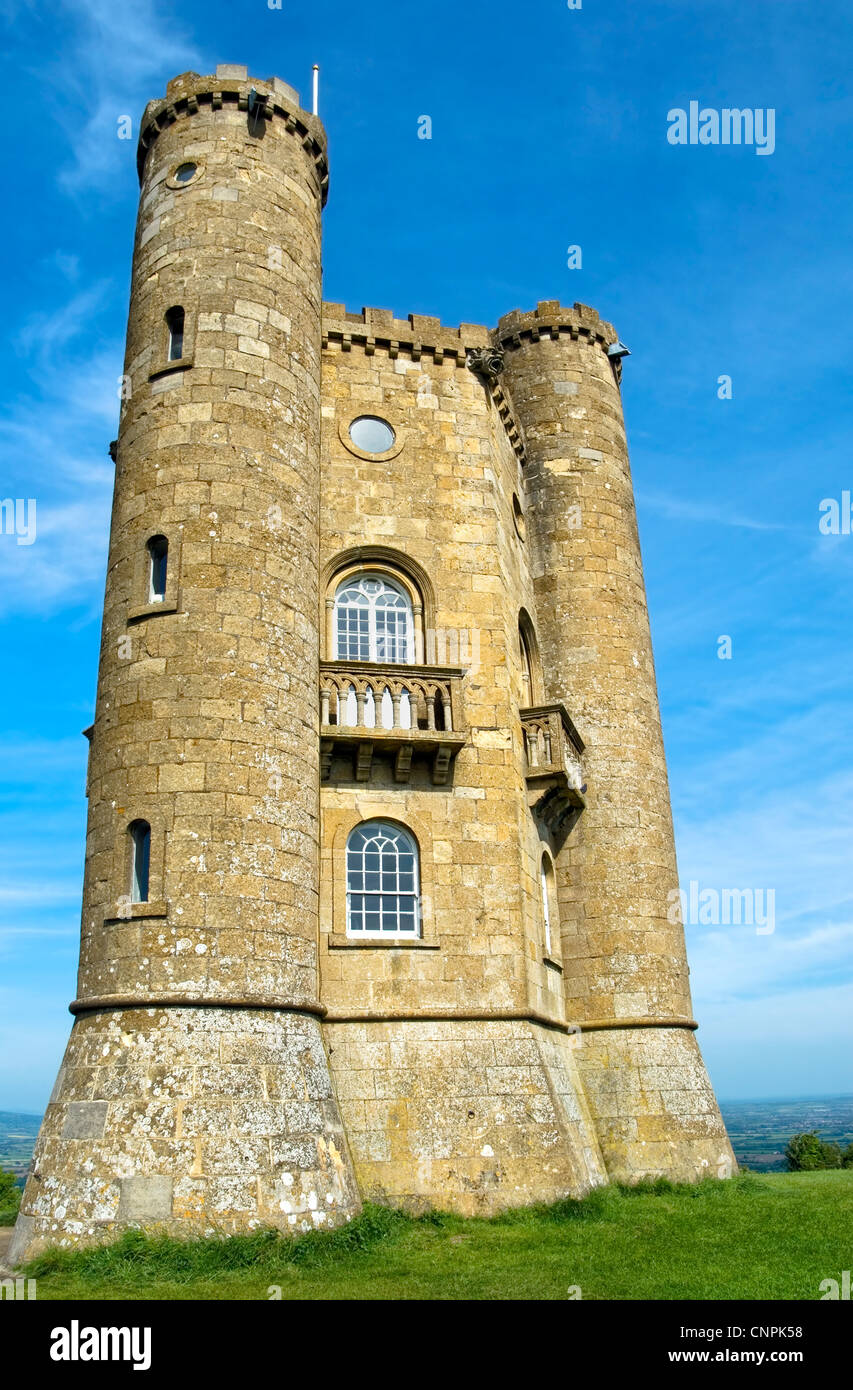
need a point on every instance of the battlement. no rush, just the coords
(231, 85)
(420, 335)
(551, 319)
(416, 335)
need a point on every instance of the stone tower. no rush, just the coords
(380, 853)
(195, 1087)
(625, 962)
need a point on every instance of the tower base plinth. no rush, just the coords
(466, 1115)
(653, 1106)
(193, 1120)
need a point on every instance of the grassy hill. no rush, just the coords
(758, 1236)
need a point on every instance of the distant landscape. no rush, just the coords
(758, 1129)
(17, 1141)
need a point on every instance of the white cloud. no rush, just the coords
(685, 509)
(53, 448)
(46, 333)
(120, 56)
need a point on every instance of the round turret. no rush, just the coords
(626, 977)
(195, 1089)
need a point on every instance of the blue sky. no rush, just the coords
(549, 130)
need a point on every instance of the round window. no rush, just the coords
(185, 172)
(371, 434)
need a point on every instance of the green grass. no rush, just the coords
(769, 1236)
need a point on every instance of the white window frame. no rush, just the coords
(354, 581)
(379, 831)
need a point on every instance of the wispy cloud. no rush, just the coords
(118, 57)
(53, 448)
(692, 509)
(47, 332)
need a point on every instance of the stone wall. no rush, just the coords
(206, 718)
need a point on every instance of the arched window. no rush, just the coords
(383, 896)
(526, 668)
(550, 915)
(158, 557)
(175, 326)
(373, 621)
(140, 860)
(528, 650)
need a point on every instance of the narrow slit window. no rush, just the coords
(175, 326)
(526, 667)
(140, 861)
(158, 564)
(549, 903)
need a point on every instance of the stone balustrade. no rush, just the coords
(369, 707)
(553, 751)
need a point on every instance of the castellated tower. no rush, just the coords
(195, 1087)
(379, 844)
(625, 966)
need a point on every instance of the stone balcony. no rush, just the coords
(553, 748)
(409, 712)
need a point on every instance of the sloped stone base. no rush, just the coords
(471, 1116)
(190, 1120)
(654, 1109)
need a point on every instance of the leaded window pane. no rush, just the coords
(382, 881)
(373, 622)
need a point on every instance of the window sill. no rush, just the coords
(553, 962)
(338, 942)
(179, 365)
(150, 610)
(131, 912)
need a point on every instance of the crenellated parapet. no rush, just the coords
(418, 337)
(551, 319)
(231, 87)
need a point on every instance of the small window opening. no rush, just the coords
(549, 902)
(526, 667)
(158, 554)
(175, 325)
(140, 838)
